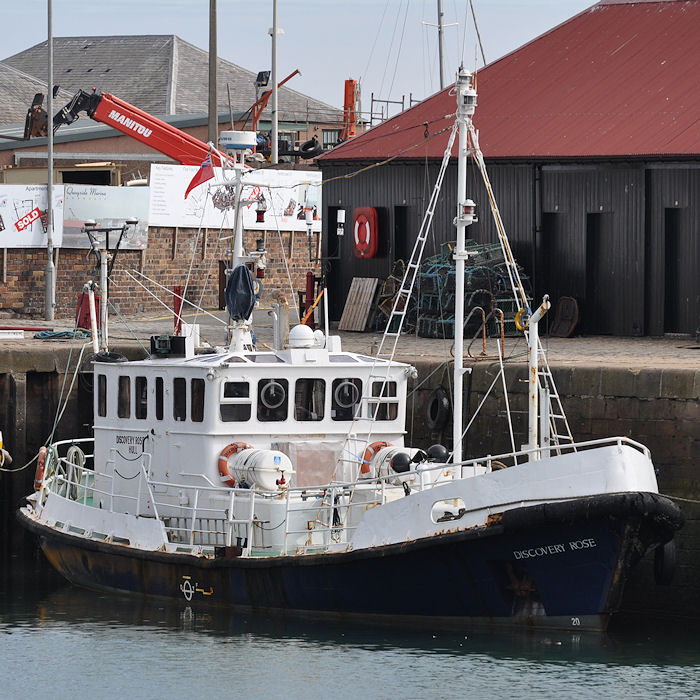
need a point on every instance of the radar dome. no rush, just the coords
(301, 336)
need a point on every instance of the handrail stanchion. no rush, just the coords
(229, 534)
(194, 515)
(249, 525)
(286, 524)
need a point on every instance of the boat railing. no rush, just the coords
(509, 459)
(314, 518)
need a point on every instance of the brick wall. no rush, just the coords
(166, 261)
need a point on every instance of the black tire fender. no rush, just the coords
(438, 409)
(310, 148)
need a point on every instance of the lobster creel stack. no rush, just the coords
(486, 287)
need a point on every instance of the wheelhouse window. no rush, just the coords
(159, 398)
(101, 395)
(235, 404)
(197, 400)
(124, 397)
(309, 399)
(141, 391)
(386, 410)
(272, 400)
(346, 398)
(179, 399)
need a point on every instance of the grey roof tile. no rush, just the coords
(161, 74)
(17, 90)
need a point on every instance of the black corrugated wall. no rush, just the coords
(622, 238)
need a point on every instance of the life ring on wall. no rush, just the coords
(519, 323)
(225, 473)
(438, 409)
(370, 453)
(40, 465)
(365, 232)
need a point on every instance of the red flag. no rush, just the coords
(205, 172)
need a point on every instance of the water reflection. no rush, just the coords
(49, 603)
(135, 647)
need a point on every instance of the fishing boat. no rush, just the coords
(279, 480)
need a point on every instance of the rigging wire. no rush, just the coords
(284, 257)
(478, 33)
(391, 45)
(398, 53)
(194, 251)
(376, 38)
(169, 291)
(425, 53)
(464, 32)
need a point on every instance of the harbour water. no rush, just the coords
(59, 641)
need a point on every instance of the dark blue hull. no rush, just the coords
(554, 565)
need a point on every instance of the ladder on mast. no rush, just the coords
(392, 332)
(559, 431)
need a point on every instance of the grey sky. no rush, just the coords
(382, 42)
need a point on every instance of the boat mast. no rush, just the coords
(442, 63)
(466, 103)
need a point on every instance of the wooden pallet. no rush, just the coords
(359, 304)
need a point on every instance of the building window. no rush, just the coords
(272, 399)
(286, 141)
(124, 397)
(179, 399)
(346, 398)
(235, 404)
(330, 138)
(101, 395)
(309, 399)
(141, 389)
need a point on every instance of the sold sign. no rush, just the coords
(28, 219)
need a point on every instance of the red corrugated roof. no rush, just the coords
(618, 79)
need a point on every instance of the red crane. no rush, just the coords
(134, 122)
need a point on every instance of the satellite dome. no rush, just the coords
(301, 336)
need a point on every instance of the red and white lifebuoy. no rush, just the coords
(365, 232)
(370, 453)
(226, 476)
(40, 464)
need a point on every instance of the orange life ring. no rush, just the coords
(363, 235)
(369, 454)
(40, 464)
(229, 450)
(365, 231)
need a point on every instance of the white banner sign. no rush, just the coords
(23, 220)
(288, 194)
(109, 207)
